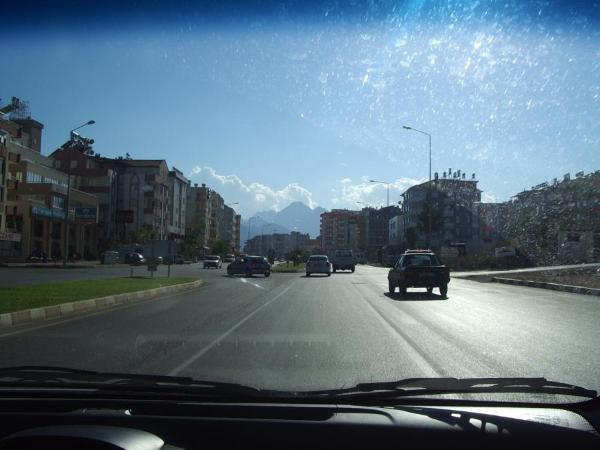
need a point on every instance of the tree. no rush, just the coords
(221, 247)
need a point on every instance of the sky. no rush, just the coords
(272, 103)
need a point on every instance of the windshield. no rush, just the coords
(139, 140)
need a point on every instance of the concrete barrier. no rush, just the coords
(545, 285)
(85, 306)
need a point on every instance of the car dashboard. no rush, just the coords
(48, 423)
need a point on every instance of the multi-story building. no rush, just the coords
(178, 187)
(34, 199)
(143, 198)
(340, 229)
(198, 215)
(237, 229)
(453, 215)
(374, 225)
(396, 231)
(217, 214)
(92, 174)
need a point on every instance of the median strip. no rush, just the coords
(23, 304)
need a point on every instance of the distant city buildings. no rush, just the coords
(112, 201)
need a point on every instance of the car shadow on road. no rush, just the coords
(416, 296)
(315, 275)
(342, 273)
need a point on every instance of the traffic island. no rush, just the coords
(24, 304)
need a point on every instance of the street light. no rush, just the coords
(72, 136)
(388, 188)
(429, 191)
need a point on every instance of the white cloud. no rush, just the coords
(487, 198)
(254, 196)
(347, 194)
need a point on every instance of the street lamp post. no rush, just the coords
(72, 136)
(429, 190)
(388, 188)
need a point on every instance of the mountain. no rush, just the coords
(257, 225)
(294, 217)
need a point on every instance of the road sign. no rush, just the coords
(87, 215)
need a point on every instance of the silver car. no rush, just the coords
(318, 264)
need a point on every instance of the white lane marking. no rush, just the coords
(244, 280)
(205, 349)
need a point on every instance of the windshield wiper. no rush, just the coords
(63, 377)
(439, 386)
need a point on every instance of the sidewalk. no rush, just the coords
(528, 269)
(59, 265)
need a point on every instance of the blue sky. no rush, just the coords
(268, 111)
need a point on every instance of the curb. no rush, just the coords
(552, 286)
(92, 304)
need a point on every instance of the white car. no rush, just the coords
(318, 264)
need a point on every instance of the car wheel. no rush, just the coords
(334, 270)
(402, 290)
(267, 274)
(248, 274)
(308, 274)
(328, 274)
(429, 290)
(391, 287)
(444, 290)
(352, 269)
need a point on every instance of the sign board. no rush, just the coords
(48, 212)
(7, 236)
(87, 215)
(124, 216)
(449, 252)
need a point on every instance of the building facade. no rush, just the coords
(340, 229)
(454, 217)
(178, 188)
(34, 200)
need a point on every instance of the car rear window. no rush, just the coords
(318, 258)
(420, 260)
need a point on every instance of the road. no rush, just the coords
(292, 332)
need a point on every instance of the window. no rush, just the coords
(73, 163)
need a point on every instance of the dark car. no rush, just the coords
(135, 259)
(212, 261)
(419, 268)
(178, 259)
(250, 265)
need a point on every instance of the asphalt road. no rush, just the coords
(292, 332)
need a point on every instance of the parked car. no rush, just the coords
(110, 257)
(229, 258)
(178, 259)
(250, 265)
(419, 268)
(318, 264)
(135, 259)
(157, 259)
(212, 261)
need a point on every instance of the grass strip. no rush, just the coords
(17, 298)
